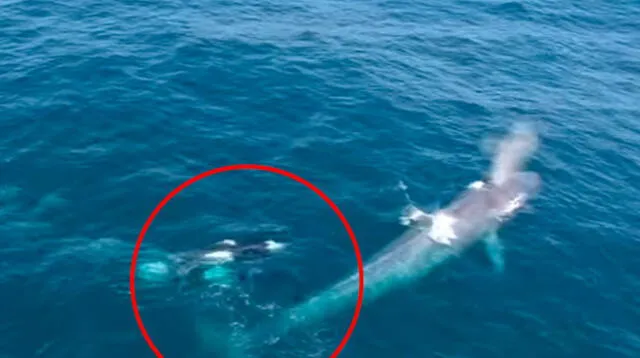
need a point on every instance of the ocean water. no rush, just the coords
(107, 106)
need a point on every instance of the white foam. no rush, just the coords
(514, 204)
(478, 184)
(411, 215)
(402, 186)
(442, 228)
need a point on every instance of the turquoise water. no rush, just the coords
(108, 106)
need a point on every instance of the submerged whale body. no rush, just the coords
(474, 215)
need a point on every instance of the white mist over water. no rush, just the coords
(513, 151)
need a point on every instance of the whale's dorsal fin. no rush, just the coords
(495, 251)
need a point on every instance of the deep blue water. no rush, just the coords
(106, 106)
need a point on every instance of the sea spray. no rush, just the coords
(513, 151)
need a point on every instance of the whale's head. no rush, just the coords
(527, 183)
(516, 191)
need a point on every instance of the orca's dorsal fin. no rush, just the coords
(495, 251)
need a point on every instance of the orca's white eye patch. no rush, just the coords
(222, 255)
(272, 245)
(229, 242)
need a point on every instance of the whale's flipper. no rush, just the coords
(495, 251)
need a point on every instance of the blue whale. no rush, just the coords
(475, 215)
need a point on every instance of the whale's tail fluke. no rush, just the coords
(512, 152)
